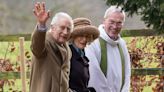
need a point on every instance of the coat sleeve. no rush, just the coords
(126, 87)
(38, 43)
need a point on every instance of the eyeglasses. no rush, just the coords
(112, 22)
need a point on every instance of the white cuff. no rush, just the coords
(41, 28)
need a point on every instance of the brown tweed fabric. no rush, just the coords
(83, 26)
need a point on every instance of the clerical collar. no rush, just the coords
(114, 38)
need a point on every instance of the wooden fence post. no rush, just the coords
(22, 59)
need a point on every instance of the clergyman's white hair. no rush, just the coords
(59, 15)
(112, 9)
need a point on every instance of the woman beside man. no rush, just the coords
(83, 33)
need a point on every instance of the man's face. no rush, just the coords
(113, 24)
(61, 31)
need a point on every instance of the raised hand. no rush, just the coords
(41, 14)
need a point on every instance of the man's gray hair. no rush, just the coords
(59, 15)
(112, 9)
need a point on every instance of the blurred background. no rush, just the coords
(145, 45)
(16, 16)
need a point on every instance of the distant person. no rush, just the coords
(83, 33)
(51, 53)
(109, 64)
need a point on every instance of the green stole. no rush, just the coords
(103, 63)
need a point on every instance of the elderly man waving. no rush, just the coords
(51, 53)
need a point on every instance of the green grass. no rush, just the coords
(5, 48)
(16, 86)
(6, 53)
(148, 88)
